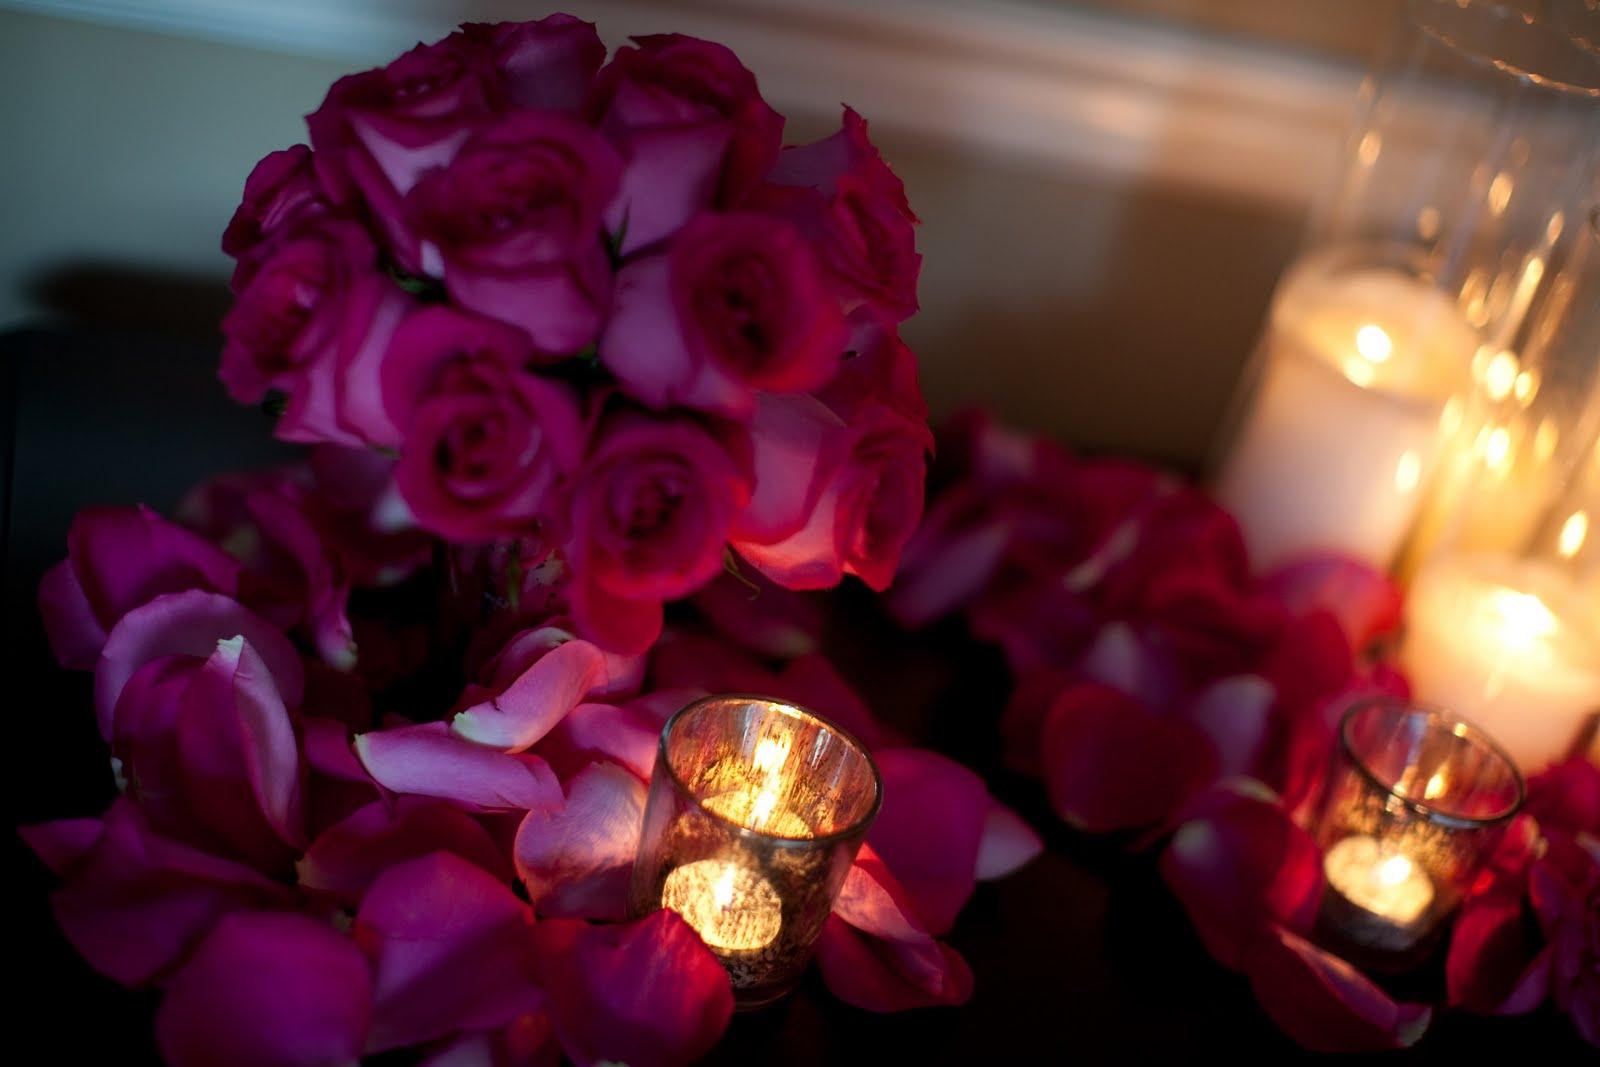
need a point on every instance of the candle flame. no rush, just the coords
(1523, 617)
(1573, 533)
(1394, 870)
(1373, 343)
(771, 751)
(1435, 787)
(722, 891)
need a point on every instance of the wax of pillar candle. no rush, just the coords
(1344, 428)
(732, 909)
(1513, 645)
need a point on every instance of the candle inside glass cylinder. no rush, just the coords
(755, 812)
(1345, 424)
(1383, 882)
(731, 908)
(1514, 644)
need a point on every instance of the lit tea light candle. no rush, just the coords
(731, 908)
(755, 811)
(1345, 426)
(1381, 881)
(1513, 644)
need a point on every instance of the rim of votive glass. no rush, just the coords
(1450, 723)
(1479, 31)
(793, 711)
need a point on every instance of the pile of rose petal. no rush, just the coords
(1163, 692)
(595, 306)
(311, 878)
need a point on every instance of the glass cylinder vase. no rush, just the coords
(755, 812)
(1437, 262)
(1415, 801)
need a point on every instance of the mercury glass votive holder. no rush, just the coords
(755, 813)
(1414, 802)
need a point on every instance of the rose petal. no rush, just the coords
(240, 762)
(591, 732)
(76, 636)
(350, 855)
(137, 902)
(537, 700)
(1112, 764)
(450, 950)
(1324, 1003)
(872, 901)
(1008, 843)
(577, 860)
(930, 830)
(1235, 713)
(190, 623)
(274, 990)
(1365, 600)
(63, 845)
(643, 993)
(1238, 863)
(1492, 966)
(427, 760)
(885, 976)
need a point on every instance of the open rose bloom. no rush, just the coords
(569, 338)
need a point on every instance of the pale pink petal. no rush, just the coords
(190, 623)
(1008, 843)
(427, 760)
(450, 950)
(1324, 1003)
(348, 856)
(576, 860)
(536, 701)
(644, 993)
(268, 990)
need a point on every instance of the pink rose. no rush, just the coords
(377, 132)
(280, 190)
(848, 200)
(512, 225)
(314, 316)
(651, 510)
(485, 442)
(833, 496)
(549, 64)
(692, 128)
(736, 304)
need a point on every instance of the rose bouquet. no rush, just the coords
(596, 309)
(569, 340)
(1164, 693)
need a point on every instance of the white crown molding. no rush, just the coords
(1052, 86)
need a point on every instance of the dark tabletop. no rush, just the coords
(1080, 955)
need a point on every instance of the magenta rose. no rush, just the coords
(377, 132)
(512, 225)
(280, 190)
(833, 497)
(847, 199)
(651, 509)
(313, 320)
(692, 128)
(549, 64)
(735, 305)
(485, 442)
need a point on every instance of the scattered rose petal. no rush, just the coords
(428, 760)
(577, 860)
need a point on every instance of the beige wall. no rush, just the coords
(1112, 314)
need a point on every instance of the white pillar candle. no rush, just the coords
(1344, 427)
(1513, 645)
